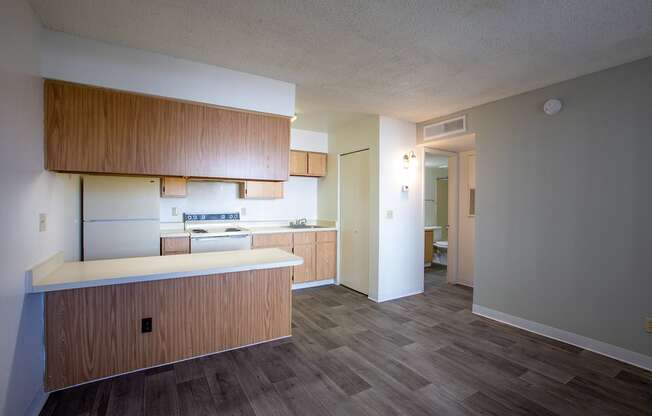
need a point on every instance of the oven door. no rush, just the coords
(221, 243)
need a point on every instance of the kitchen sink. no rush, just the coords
(303, 226)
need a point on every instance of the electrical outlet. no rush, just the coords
(146, 325)
(390, 214)
(175, 211)
(648, 325)
(243, 211)
(42, 222)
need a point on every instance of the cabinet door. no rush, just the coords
(98, 130)
(326, 259)
(305, 272)
(261, 190)
(317, 164)
(173, 187)
(298, 163)
(175, 245)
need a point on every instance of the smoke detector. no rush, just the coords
(552, 106)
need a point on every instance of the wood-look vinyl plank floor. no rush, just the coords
(422, 355)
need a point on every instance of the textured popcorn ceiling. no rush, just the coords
(411, 59)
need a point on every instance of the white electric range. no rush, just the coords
(216, 232)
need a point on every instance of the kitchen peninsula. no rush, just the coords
(107, 317)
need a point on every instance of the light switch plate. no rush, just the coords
(390, 214)
(42, 222)
(175, 211)
(648, 325)
(243, 211)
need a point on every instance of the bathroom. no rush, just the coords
(436, 213)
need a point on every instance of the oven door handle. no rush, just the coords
(219, 237)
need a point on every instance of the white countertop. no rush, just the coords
(54, 274)
(432, 227)
(263, 229)
(274, 230)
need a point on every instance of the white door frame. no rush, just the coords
(339, 216)
(453, 185)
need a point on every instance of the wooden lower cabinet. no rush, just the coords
(175, 245)
(326, 263)
(305, 272)
(319, 251)
(317, 248)
(427, 248)
(95, 332)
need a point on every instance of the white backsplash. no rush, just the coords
(299, 201)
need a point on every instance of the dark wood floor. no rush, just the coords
(422, 355)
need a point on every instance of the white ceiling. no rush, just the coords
(411, 59)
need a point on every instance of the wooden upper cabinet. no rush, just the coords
(261, 190)
(307, 163)
(298, 163)
(317, 164)
(174, 187)
(97, 130)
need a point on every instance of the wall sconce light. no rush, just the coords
(410, 158)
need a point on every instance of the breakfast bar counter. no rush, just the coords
(124, 315)
(54, 274)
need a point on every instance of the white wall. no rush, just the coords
(311, 141)
(27, 190)
(299, 201)
(358, 134)
(299, 194)
(70, 58)
(400, 252)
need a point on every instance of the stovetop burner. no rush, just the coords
(198, 230)
(230, 230)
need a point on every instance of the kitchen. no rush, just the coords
(157, 233)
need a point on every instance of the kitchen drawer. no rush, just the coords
(326, 236)
(272, 240)
(304, 238)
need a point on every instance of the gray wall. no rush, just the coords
(564, 235)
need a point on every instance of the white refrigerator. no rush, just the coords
(121, 217)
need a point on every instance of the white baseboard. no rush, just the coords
(37, 404)
(600, 347)
(305, 285)
(418, 292)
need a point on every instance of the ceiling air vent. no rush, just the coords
(445, 128)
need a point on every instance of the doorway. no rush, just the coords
(458, 235)
(354, 221)
(436, 222)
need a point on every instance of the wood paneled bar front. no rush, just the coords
(96, 332)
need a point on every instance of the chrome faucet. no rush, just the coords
(300, 222)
